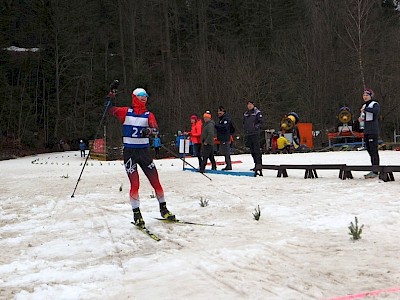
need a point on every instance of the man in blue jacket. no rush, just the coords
(223, 128)
(252, 123)
(370, 115)
(82, 147)
(156, 145)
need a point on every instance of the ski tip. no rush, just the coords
(148, 232)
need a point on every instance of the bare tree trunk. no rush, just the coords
(57, 85)
(133, 14)
(359, 45)
(76, 109)
(45, 113)
(202, 41)
(122, 44)
(106, 63)
(356, 28)
(175, 110)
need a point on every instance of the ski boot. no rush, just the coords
(165, 213)
(137, 218)
(371, 175)
(258, 170)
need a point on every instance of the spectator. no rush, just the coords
(61, 144)
(283, 144)
(252, 123)
(82, 147)
(156, 145)
(195, 136)
(369, 115)
(223, 128)
(207, 139)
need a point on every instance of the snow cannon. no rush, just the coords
(345, 116)
(289, 121)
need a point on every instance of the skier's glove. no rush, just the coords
(111, 95)
(113, 91)
(145, 132)
(114, 87)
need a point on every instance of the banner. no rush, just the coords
(184, 146)
(98, 146)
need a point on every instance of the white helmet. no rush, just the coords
(140, 92)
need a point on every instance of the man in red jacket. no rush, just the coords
(138, 125)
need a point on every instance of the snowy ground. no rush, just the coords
(57, 247)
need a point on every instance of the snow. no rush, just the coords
(57, 247)
(19, 49)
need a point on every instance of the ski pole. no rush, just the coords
(113, 89)
(177, 156)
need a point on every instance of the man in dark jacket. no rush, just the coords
(252, 123)
(207, 142)
(370, 114)
(223, 128)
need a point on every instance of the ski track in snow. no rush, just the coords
(58, 247)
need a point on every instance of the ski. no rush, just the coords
(148, 232)
(183, 222)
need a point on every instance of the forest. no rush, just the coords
(311, 57)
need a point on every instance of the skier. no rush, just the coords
(138, 125)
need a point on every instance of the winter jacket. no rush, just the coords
(195, 133)
(207, 135)
(252, 121)
(156, 142)
(223, 128)
(371, 110)
(282, 142)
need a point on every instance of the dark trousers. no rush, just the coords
(225, 150)
(253, 142)
(197, 152)
(157, 151)
(371, 144)
(207, 152)
(286, 149)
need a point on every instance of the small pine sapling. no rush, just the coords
(257, 213)
(120, 188)
(203, 202)
(355, 231)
